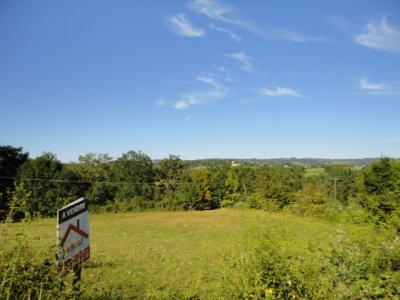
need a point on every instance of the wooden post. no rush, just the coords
(77, 273)
(77, 267)
(77, 278)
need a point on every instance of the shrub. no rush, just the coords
(349, 266)
(24, 275)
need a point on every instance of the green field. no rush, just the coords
(204, 255)
(314, 171)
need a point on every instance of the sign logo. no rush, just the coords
(73, 234)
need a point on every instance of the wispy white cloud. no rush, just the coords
(380, 35)
(183, 104)
(182, 26)
(230, 33)
(244, 59)
(211, 81)
(225, 72)
(291, 36)
(160, 102)
(378, 88)
(221, 12)
(279, 92)
(366, 85)
(216, 10)
(189, 99)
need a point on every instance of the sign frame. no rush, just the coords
(73, 235)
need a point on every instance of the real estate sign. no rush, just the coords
(73, 234)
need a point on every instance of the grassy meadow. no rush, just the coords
(225, 253)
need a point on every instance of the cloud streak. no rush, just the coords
(279, 92)
(291, 36)
(380, 35)
(230, 33)
(182, 26)
(226, 74)
(218, 11)
(366, 85)
(244, 59)
(189, 99)
(377, 88)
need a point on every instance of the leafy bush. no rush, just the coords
(276, 186)
(24, 275)
(347, 269)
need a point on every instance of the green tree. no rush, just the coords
(381, 191)
(342, 181)
(96, 172)
(11, 158)
(239, 185)
(188, 192)
(135, 172)
(169, 176)
(313, 198)
(195, 190)
(218, 179)
(276, 186)
(48, 185)
(382, 176)
(201, 178)
(169, 172)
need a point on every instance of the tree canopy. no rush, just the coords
(43, 184)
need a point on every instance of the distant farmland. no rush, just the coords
(292, 160)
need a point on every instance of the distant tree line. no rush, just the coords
(41, 185)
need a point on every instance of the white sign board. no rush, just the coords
(73, 234)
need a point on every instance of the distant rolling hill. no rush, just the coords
(292, 160)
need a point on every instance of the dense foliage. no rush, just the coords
(10, 160)
(134, 182)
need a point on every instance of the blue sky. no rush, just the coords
(201, 78)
